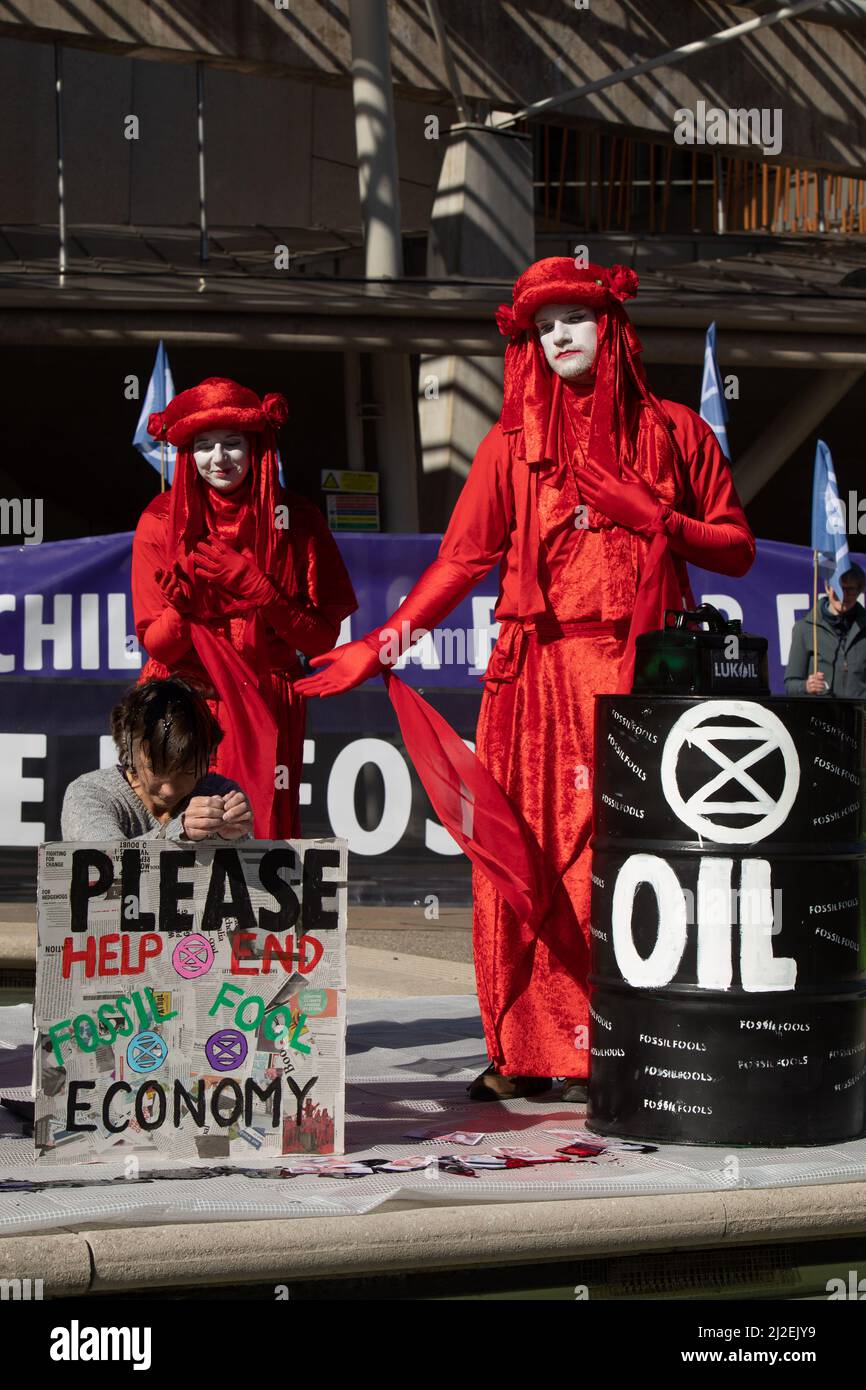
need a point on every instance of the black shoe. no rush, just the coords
(491, 1085)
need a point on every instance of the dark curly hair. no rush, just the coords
(171, 722)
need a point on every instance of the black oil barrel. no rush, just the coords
(728, 976)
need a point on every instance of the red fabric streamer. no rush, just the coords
(250, 730)
(486, 824)
(478, 813)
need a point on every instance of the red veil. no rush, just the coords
(246, 520)
(531, 405)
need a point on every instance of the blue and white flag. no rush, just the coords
(713, 407)
(160, 390)
(829, 532)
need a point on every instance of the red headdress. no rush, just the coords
(217, 403)
(196, 508)
(247, 521)
(532, 401)
(531, 391)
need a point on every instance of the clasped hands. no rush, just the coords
(627, 501)
(217, 564)
(229, 817)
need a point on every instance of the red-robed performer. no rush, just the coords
(590, 494)
(232, 577)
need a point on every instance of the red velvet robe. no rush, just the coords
(312, 572)
(535, 727)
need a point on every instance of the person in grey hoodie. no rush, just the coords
(841, 633)
(160, 787)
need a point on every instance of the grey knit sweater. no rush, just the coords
(101, 805)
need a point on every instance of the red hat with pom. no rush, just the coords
(217, 404)
(532, 389)
(560, 280)
(221, 404)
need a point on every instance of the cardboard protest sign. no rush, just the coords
(190, 999)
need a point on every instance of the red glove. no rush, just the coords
(628, 501)
(237, 575)
(342, 669)
(176, 589)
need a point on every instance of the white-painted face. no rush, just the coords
(569, 337)
(222, 458)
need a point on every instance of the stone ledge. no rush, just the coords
(463, 1236)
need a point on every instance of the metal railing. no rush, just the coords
(593, 181)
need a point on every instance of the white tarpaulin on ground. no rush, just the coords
(409, 1062)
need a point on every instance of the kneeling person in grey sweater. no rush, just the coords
(160, 787)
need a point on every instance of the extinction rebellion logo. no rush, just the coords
(743, 795)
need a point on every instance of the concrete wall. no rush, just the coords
(279, 152)
(516, 51)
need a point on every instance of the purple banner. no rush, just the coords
(65, 608)
(67, 651)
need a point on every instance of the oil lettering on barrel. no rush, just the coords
(728, 991)
(759, 968)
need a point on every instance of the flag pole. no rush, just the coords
(814, 612)
(162, 465)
